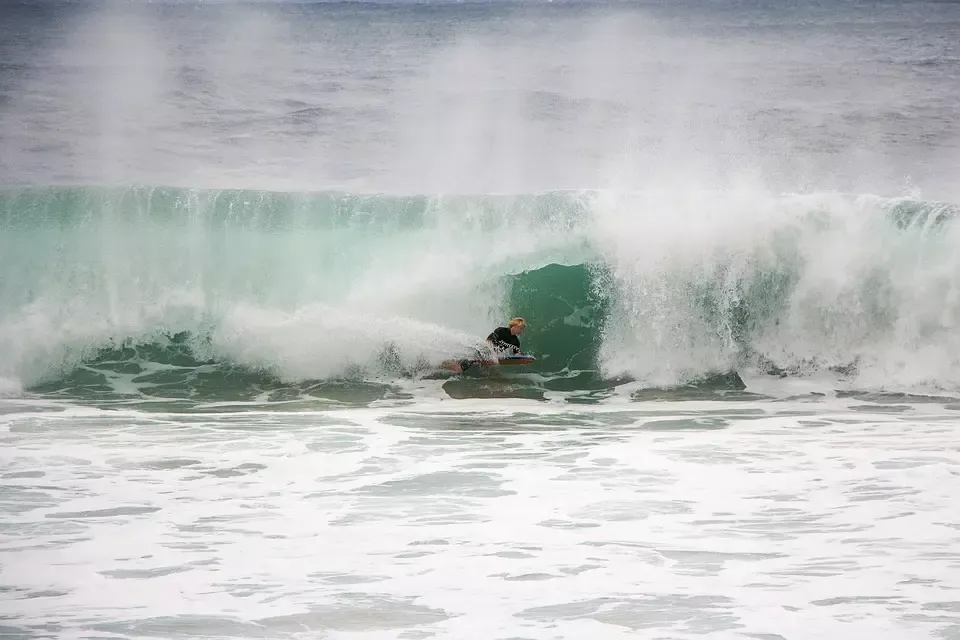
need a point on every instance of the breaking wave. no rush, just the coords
(245, 293)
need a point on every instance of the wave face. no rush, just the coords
(243, 293)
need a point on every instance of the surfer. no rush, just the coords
(501, 340)
(505, 338)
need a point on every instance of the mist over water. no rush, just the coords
(435, 98)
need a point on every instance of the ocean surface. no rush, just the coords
(239, 239)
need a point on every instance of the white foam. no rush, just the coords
(10, 387)
(829, 278)
(532, 522)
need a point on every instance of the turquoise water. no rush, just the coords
(130, 293)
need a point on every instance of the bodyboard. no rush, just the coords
(518, 359)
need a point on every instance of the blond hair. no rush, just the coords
(517, 321)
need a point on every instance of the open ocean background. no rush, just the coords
(237, 239)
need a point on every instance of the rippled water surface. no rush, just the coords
(807, 517)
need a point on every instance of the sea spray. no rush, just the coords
(660, 286)
(341, 274)
(717, 281)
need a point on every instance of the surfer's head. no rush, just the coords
(517, 325)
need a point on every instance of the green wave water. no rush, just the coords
(182, 295)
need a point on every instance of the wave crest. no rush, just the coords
(663, 287)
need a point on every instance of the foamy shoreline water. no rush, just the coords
(777, 518)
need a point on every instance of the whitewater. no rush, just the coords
(238, 241)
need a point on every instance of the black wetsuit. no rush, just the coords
(502, 339)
